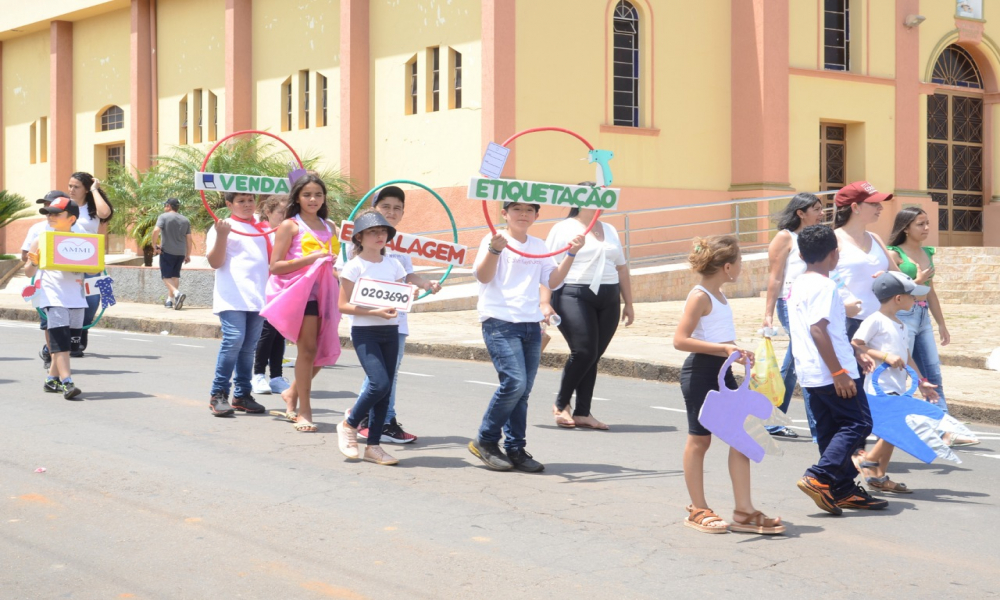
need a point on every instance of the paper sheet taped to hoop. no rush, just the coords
(74, 252)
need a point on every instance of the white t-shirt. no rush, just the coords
(407, 262)
(512, 295)
(60, 288)
(85, 223)
(33, 233)
(855, 269)
(387, 270)
(881, 333)
(596, 262)
(241, 280)
(813, 299)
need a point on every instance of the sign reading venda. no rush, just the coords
(74, 252)
(248, 184)
(416, 246)
(552, 194)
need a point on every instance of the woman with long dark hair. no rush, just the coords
(95, 212)
(909, 231)
(589, 306)
(785, 265)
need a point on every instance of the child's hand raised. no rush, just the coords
(576, 243)
(223, 227)
(498, 243)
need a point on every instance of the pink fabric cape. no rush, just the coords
(286, 298)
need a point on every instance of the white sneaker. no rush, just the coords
(259, 384)
(279, 384)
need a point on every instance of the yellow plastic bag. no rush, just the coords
(766, 375)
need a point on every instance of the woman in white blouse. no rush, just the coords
(589, 305)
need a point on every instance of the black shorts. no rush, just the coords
(170, 265)
(699, 376)
(312, 308)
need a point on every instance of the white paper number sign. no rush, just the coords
(383, 294)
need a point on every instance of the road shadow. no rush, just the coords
(935, 468)
(115, 395)
(792, 531)
(449, 442)
(3, 381)
(100, 372)
(433, 462)
(131, 356)
(325, 395)
(946, 496)
(595, 472)
(617, 428)
(7, 358)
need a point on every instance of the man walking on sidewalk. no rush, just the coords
(176, 250)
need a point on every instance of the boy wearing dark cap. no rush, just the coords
(61, 298)
(29, 239)
(510, 312)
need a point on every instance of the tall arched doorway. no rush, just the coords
(955, 148)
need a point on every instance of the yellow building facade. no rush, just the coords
(700, 102)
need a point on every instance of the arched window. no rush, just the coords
(626, 65)
(956, 67)
(112, 118)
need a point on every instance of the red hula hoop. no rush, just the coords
(204, 164)
(486, 212)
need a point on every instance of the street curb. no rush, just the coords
(635, 369)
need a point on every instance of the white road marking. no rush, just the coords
(188, 346)
(681, 410)
(594, 398)
(482, 383)
(95, 335)
(136, 340)
(415, 374)
(986, 455)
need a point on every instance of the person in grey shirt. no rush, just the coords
(175, 230)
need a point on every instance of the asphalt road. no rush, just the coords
(146, 495)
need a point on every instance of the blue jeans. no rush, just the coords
(516, 349)
(391, 413)
(923, 348)
(789, 377)
(842, 425)
(240, 331)
(378, 352)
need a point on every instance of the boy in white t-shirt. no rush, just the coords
(241, 264)
(60, 296)
(33, 232)
(826, 364)
(510, 312)
(883, 337)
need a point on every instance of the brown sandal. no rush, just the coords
(702, 519)
(562, 421)
(885, 484)
(756, 522)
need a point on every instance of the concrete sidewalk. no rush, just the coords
(644, 350)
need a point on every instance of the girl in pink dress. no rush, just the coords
(302, 292)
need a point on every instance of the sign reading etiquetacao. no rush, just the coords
(245, 184)
(552, 194)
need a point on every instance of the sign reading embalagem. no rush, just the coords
(552, 194)
(249, 184)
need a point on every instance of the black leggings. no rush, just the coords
(270, 349)
(589, 321)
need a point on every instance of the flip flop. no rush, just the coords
(305, 426)
(599, 427)
(289, 416)
(562, 421)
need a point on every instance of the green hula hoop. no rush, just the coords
(454, 227)
(96, 319)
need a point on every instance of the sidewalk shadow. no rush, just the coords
(99, 372)
(115, 395)
(592, 473)
(617, 428)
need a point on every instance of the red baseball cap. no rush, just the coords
(859, 191)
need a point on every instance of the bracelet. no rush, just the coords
(494, 251)
(570, 254)
(840, 372)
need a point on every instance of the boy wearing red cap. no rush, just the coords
(61, 297)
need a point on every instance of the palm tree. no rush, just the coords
(138, 200)
(12, 207)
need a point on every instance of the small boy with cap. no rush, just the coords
(61, 298)
(510, 312)
(884, 338)
(29, 239)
